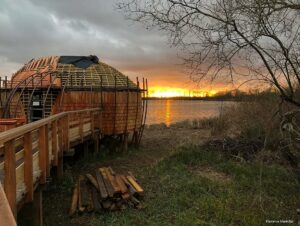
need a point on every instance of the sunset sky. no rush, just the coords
(34, 28)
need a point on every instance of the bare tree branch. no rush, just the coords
(219, 36)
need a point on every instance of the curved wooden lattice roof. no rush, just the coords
(96, 75)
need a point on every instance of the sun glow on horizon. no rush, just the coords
(158, 91)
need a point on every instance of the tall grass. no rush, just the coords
(257, 119)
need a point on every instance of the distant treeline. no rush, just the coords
(236, 95)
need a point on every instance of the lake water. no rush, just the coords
(171, 111)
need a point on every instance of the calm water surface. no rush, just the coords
(171, 111)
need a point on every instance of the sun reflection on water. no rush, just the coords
(168, 113)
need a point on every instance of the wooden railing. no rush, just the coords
(29, 151)
(6, 216)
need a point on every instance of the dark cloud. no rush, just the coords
(33, 28)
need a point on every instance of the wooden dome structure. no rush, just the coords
(50, 85)
(65, 102)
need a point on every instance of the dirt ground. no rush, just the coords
(157, 144)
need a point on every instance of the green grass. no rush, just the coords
(177, 195)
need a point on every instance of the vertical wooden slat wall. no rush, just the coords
(127, 112)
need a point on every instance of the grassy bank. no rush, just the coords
(185, 185)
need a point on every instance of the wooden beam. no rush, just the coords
(74, 201)
(92, 180)
(28, 167)
(10, 184)
(101, 185)
(108, 186)
(136, 186)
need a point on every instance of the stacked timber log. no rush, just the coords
(105, 190)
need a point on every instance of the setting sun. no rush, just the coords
(166, 92)
(158, 91)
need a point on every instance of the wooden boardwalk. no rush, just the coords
(29, 152)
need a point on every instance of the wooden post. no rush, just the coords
(10, 184)
(60, 142)
(60, 165)
(38, 208)
(96, 144)
(127, 104)
(48, 163)
(115, 102)
(5, 87)
(63, 134)
(125, 142)
(92, 124)
(101, 106)
(59, 172)
(81, 128)
(32, 213)
(142, 115)
(43, 154)
(134, 135)
(28, 167)
(54, 142)
(1, 91)
(6, 215)
(85, 149)
(67, 140)
(145, 108)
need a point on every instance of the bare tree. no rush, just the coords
(257, 38)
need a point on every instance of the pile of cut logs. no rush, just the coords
(105, 190)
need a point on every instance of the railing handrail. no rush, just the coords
(21, 130)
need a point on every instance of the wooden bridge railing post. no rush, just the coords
(54, 141)
(60, 142)
(6, 214)
(60, 150)
(48, 163)
(81, 127)
(64, 133)
(10, 184)
(28, 166)
(92, 124)
(43, 154)
(67, 132)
